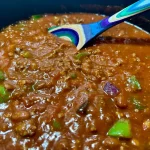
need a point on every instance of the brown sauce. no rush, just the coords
(57, 99)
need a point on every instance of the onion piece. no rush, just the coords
(110, 89)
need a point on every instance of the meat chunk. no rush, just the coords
(26, 128)
(20, 115)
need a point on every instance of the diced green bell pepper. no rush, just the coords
(134, 83)
(79, 56)
(138, 105)
(36, 17)
(121, 128)
(2, 76)
(56, 124)
(73, 75)
(4, 95)
(26, 54)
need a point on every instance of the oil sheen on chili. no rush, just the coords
(53, 97)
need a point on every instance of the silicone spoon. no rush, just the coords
(80, 34)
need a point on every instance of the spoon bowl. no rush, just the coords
(81, 34)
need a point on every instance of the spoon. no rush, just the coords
(80, 34)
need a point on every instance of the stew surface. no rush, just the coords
(53, 97)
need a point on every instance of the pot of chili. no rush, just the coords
(53, 97)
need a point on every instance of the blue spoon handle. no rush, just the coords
(136, 8)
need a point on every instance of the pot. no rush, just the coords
(12, 11)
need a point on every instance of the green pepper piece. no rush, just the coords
(79, 56)
(56, 124)
(121, 128)
(2, 76)
(26, 54)
(36, 17)
(138, 105)
(4, 99)
(4, 95)
(1, 100)
(73, 75)
(2, 90)
(134, 83)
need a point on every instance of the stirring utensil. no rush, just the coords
(80, 34)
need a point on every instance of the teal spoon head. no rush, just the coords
(73, 33)
(78, 34)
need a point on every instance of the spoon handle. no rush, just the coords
(134, 9)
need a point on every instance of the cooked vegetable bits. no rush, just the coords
(134, 83)
(110, 89)
(121, 128)
(3, 94)
(2, 76)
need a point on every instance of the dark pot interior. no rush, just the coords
(15, 10)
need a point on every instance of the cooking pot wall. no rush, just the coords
(14, 10)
